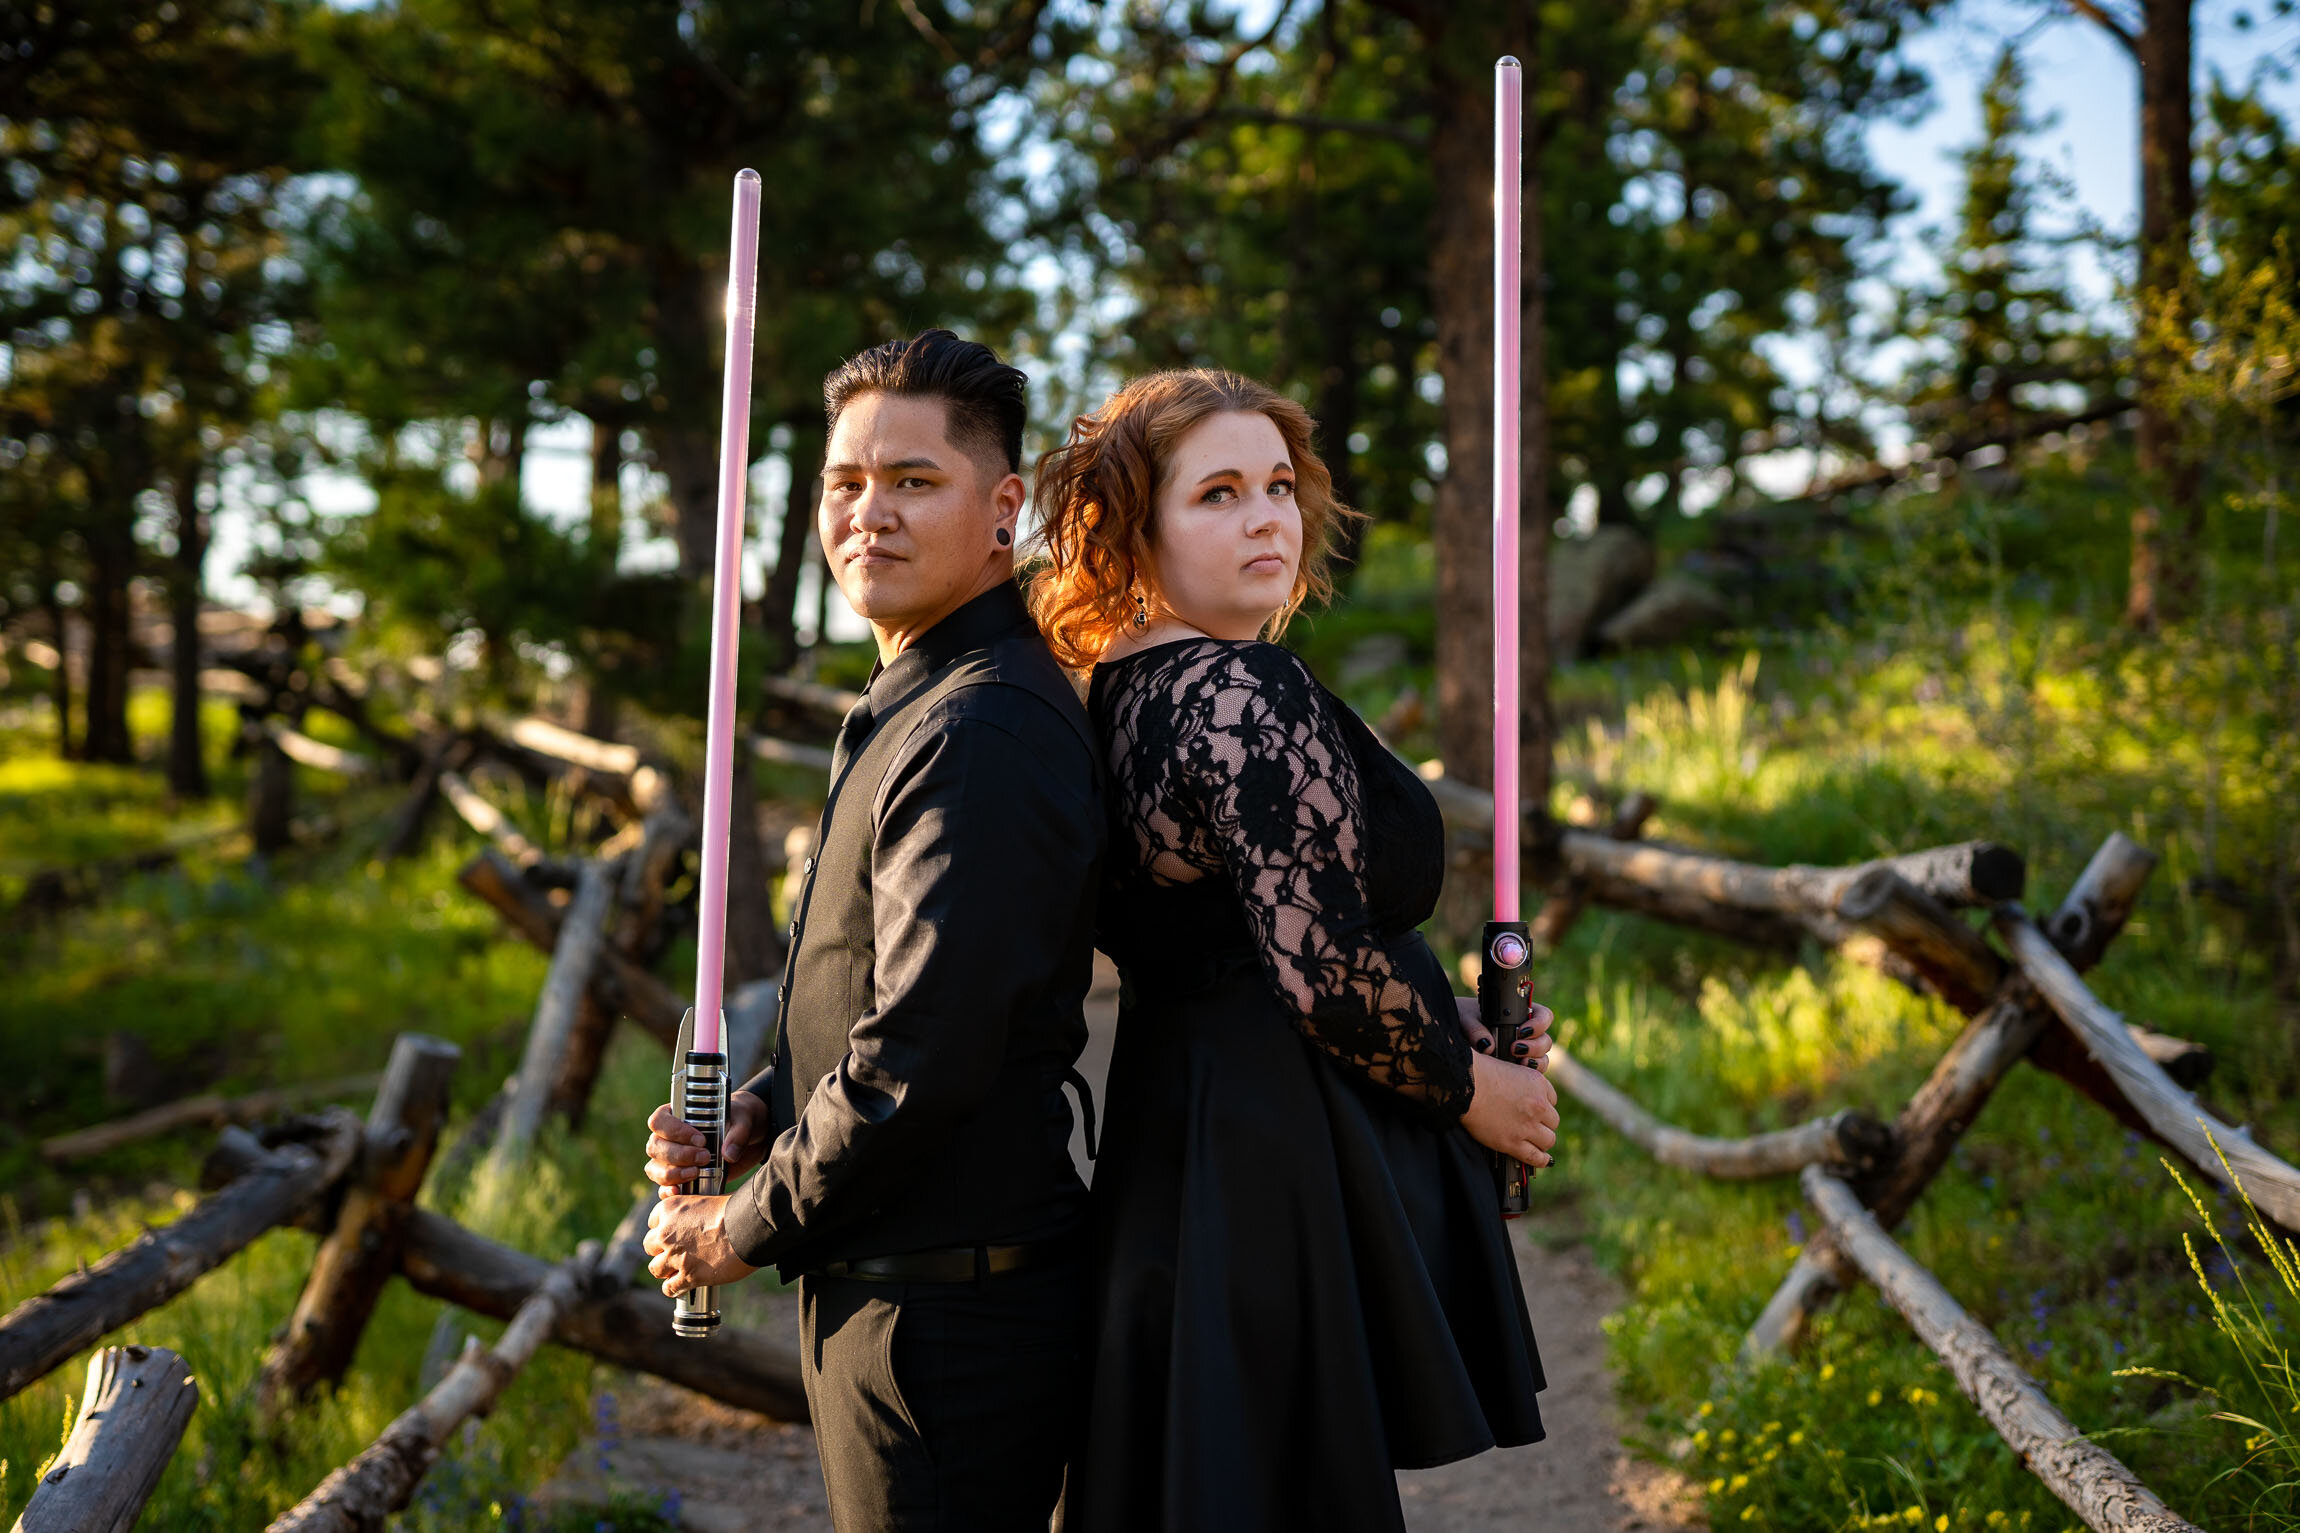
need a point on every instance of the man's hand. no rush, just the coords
(687, 1239)
(675, 1148)
(1532, 1049)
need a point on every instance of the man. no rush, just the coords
(917, 1177)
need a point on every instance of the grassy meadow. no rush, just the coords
(1960, 674)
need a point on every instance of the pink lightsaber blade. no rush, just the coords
(726, 610)
(699, 1074)
(1508, 302)
(1505, 978)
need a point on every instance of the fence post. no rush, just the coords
(361, 1252)
(132, 1416)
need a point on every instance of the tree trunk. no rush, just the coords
(1461, 284)
(779, 608)
(598, 712)
(187, 766)
(111, 565)
(2163, 575)
(59, 683)
(1536, 725)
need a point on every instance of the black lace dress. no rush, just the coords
(1304, 1282)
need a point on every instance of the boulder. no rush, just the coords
(1590, 579)
(1674, 607)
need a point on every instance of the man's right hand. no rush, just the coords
(675, 1147)
(1512, 1109)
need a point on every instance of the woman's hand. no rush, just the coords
(687, 1239)
(675, 1147)
(1512, 1110)
(1532, 1048)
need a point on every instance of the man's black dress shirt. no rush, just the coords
(939, 959)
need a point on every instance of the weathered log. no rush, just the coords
(317, 754)
(1950, 955)
(1847, 1138)
(619, 983)
(132, 1415)
(2273, 1184)
(2088, 1478)
(360, 1253)
(2189, 1063)
(489, 821)
(207, 1110)
(2100, 901)
(446, 754)
(1969, 873)
(1928, 1128)
(631, 1328)
(360, 1496)
(1569, 895)
(835, 701)
(44, 1330)
(790, 753)
(582, 937)
(563, 744)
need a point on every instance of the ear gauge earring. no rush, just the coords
(1004, 537)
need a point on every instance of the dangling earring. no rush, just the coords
(1141, 609)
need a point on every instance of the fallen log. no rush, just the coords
(1568, 895)
(473, 808)
(2222, 1151)
(1928, 1128)
(571, 746)
(360, 1496)
(835, 701)
(207, 1110)
(44, 1330)
(317, 754)
(619, 983)
(790, 753)
(2092, 1482)
(630, 1328)
(574, 954)
(407, 822)
(1847, 1138)
(359, 1253)
(132, 1416)
(1949, 955)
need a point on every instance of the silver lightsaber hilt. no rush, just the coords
(699, 1098)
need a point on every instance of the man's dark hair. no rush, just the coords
(985, 397)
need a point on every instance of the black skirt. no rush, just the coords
(1302, 1284)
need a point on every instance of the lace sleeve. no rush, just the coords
(1263, 762)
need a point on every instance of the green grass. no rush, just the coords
(1975, 684)
(234, 1472)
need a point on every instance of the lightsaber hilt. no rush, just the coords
(699, 1099)
(1505, 1006)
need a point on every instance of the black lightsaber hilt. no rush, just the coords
(1505, 1006)
(699, 1098)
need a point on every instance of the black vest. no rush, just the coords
(1005, 1173)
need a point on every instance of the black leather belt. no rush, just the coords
(955, 1264)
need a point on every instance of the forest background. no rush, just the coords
(1860, 531)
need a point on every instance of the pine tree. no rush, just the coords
(2001, 327)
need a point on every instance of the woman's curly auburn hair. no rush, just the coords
(1097, 498)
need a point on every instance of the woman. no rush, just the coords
(1305, 1282)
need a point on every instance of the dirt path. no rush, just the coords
(739, 1471)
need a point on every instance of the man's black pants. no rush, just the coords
(949, 1407)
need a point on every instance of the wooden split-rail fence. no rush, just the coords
(355, 1184)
